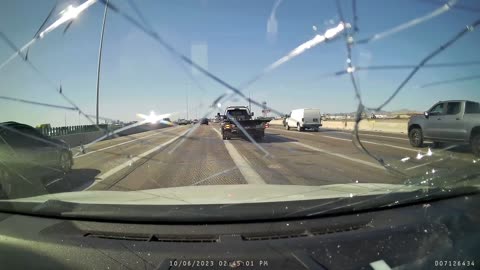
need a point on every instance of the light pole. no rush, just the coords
(100, 59)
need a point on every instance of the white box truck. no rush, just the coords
(302, 119)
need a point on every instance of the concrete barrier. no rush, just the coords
(142, 128)
(80, 138)
(387, 125)
(276, 122)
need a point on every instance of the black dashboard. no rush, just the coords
(415, 236)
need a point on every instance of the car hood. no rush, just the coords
(222, 194)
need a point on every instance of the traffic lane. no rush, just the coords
(343, 144)
(412, 162)
(401, 140)
(88, 168)
(393, 149)
(366, 134)
(291, 163)
(372, 138)
(120, 140)
(198, 158)
(457, 155)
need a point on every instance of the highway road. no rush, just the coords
(196, 155)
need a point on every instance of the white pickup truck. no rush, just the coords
(453, 121)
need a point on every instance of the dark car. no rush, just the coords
(27, 157)
(204, 121)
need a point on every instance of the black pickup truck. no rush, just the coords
(237, 118)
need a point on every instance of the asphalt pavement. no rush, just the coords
(197, 155)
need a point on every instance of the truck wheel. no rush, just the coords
(287, 127)
(476, 145)
(416, 137)
(298, 127)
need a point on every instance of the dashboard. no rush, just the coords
(415, 236)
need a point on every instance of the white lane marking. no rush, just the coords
(370, 142)
(350, 133)
(250, 175)
(373, 165)
(439, 152)
(303, 133)
(418, 151)
(122, 143)
(371, 135)
(135, 159)
(424, 164)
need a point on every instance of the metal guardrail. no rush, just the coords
(60, 131)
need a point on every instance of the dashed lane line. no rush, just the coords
(127, 163)
(122, 143)
(356, 160)
(250, 175)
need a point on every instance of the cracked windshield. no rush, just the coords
(227, 102)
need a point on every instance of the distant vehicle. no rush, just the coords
(24, 149)
(204, 121)
(195, 121)
(241, 115)
(183, 122)
(44, 126)
(302, 119)
(453, 121)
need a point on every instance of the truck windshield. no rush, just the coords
(238, 113)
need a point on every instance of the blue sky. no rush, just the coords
(138, 75)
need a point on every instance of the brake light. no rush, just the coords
(267, 125)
